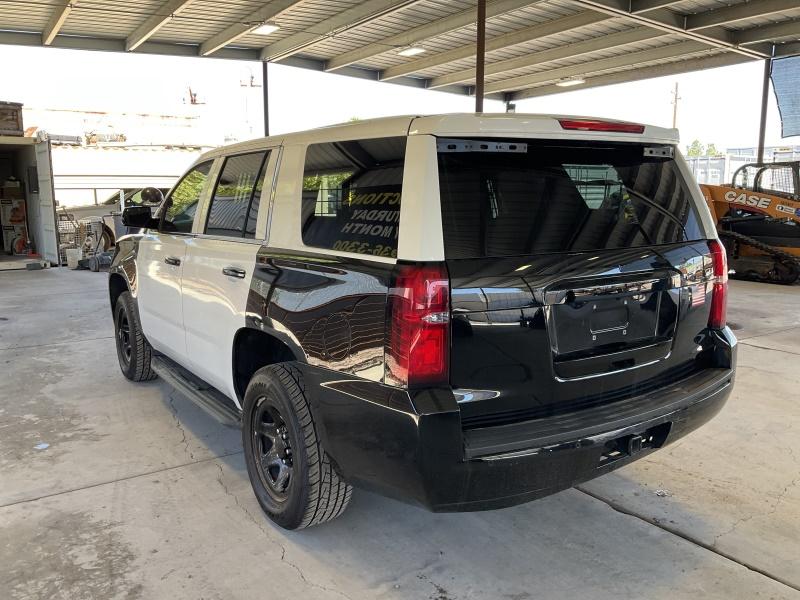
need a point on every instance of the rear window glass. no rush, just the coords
(351, 195)
(522, 197)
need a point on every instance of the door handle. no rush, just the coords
(234, 272)
(172, 260)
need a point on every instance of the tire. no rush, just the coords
(133, 350)
(107, 238)
(94, 264)
(277, 427)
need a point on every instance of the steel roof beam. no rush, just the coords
(769, 33)
(638, 6)
(573, 50)
(162, 16)
(56, 22)
(74, 42)
(512, 38)
(786, 50)
(594, 66)
(684, 66)
(670, 21)
(366, 11)
(738, 12)
(423, 32)
(230, 34)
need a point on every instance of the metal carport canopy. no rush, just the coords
(531, 45)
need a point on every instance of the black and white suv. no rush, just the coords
(465, 312)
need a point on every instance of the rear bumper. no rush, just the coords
(411, 446)
(548, 466)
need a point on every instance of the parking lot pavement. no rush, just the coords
(140, 495)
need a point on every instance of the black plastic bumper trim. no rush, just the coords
(528, 436)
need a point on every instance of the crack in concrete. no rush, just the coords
(260, 524)
(771, 511)
(766, 333)
(118, 480)
(782, 495)
(788, 449)
(774, 507)
(179, 425)
(71, 343)
(220, 479)
(746, 343)
(731, 529)
(687, 537)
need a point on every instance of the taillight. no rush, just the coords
(717, 318)
(595, 125)
(418, 352)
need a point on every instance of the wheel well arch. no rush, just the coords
(116, 286)
(252, 350)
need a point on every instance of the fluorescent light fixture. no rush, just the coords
(411, 51)
(570, 81)
(266, 28)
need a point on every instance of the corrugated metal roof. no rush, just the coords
(531, 44)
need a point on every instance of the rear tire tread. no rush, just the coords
(325, 495)
(328, 494)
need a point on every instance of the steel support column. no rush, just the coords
(480, 56)
(265, 94)
(764, 98)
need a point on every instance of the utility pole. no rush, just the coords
(675, 99)
(265, 94)
(762, 129)
(480, 55)
(251, 84)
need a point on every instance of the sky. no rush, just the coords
(719, 106)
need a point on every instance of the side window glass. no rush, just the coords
(351, 195)
(182, 202)
(234, 206)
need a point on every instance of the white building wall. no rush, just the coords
(90, 174)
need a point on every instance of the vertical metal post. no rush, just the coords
(480, 56)
(265, 94)
(675, 107)
(764, 97)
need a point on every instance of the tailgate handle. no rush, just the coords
(612, 289)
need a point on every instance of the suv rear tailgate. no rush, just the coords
(579, 275)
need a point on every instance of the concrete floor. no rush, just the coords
(141, 495)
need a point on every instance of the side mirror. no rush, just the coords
(138, 217)
(151, 196)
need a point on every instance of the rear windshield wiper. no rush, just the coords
(661, 209)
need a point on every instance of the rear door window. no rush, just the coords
(351, 195)
(517, 198)
(234, 206)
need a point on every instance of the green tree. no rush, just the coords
(711, 150)
(186, 194)
(696, 148)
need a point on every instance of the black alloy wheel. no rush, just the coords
(133, 350)
(292, 476)
(273, 449)
(124, 338)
